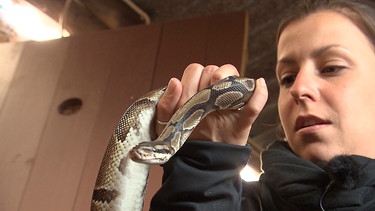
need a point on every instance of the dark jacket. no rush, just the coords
(205, 176)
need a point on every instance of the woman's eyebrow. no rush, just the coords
(321, 50)
(315, 53)
(285, 60)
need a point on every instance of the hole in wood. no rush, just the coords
(70, 106)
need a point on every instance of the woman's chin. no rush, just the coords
(317, 153)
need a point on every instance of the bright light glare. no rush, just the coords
(28, 22)
(248, 174)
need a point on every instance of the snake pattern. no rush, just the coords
(123, 174)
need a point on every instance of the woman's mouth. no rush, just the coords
(303, 122)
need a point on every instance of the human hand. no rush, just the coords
(227, 126)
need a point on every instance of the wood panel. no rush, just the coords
(10, 54)
(208, 40)
(62, 151)
(130, 77)
(24, 114)
(215, 40)
(49, 161)
(227, 40)
(182, 43)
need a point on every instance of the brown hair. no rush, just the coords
(360, 12)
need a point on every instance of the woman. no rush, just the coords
(326, 71)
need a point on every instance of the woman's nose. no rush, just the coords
(304, 87)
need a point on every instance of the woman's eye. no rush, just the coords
(287, 80)
(332, 69)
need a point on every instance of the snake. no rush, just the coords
(134, 146)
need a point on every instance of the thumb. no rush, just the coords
(167, 104)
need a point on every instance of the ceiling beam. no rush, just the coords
(114, 13)
(78, 16)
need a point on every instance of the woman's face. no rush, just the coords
(326, 71)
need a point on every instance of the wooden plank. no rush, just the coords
(227, 40)
(218, 40)
(9, 56)
(24, 115)
(134, 55)
(182, 43)
(207, 40)
(63, 146)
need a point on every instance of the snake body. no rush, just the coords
(121, 182)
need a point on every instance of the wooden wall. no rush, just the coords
(49, 161)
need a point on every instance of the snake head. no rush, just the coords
(157, 152)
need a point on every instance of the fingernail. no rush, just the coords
(261, 81)
(171, 86)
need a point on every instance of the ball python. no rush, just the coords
(123, 174)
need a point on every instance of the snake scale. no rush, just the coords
(121, 182)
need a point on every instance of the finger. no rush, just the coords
(256, 103)
(168, 102)
(224, 71)
(207, 73)
(190, 82)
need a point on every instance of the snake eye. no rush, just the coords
(160, 149)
